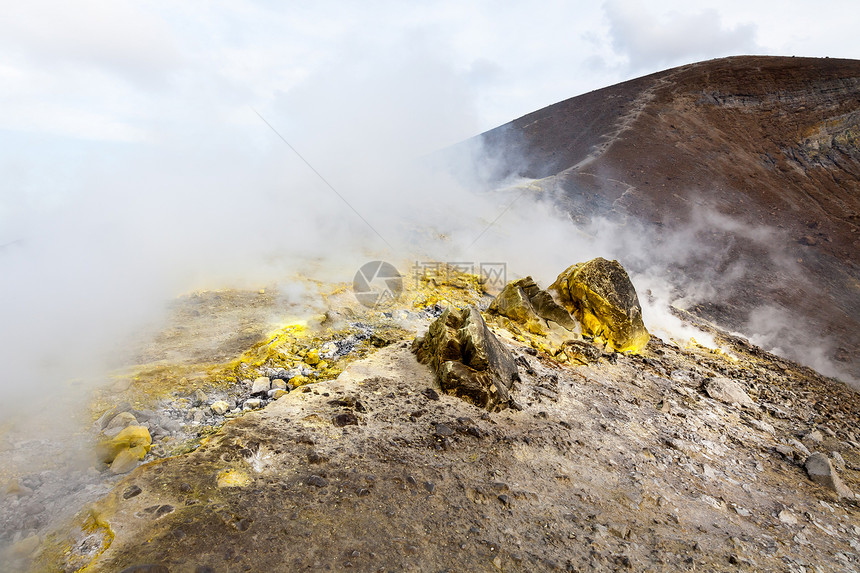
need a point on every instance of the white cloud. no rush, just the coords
(115, 34)
(652, 40)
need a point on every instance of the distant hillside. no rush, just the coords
(767, 141)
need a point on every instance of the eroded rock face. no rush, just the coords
(468, 359)
(601, 297)
(524, 302)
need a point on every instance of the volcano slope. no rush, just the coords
(615, 462)
(740, 175)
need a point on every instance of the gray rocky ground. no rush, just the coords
(670, 459)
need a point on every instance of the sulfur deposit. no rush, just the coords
(601, 297)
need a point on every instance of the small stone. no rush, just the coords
(786, 451)
(278, 383)
(504, 499)
(345, 419)
(728, 391)
(185, 487)
(200, 398)
(261, 385)
(130, 437)
(443, 430)
(801, 538)
(162, 510)
(312, 358)
(34, 508)
(763, 426)
(119, 422)
(17, 489)
(299, 380)
(317, 481)
(127, 460)
(430, 394)
(429, 486)
(278, 393)
(787, 517)
(252, 404)
(742, 512)
(815, 436)
(820, 471)
(838, 461)
(328, 350)
(131, 491)
(220, 407)
(796, 444)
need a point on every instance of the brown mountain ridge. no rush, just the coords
(756, 158)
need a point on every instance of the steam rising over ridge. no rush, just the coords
(97, 239)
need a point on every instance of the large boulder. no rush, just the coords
(524, 302)
(601, 297)
(468, 359)
(135, 441)
(820, 470)
(728, 391)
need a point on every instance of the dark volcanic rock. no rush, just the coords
(600, 295)
(580, 351)
(468, 359)
(523, 301)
